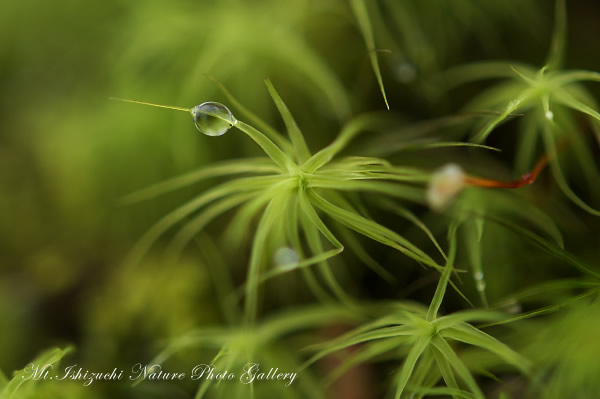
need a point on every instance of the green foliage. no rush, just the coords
(301, 184)
(23, 384)
(362, 17)
(310, 242)
(547, 97)
(422, 338)
(260, 344)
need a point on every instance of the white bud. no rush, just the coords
(445, 183)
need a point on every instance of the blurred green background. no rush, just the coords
(67, 153)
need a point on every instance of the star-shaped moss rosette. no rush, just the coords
(473, 202)
(289, 188)
(550, 100)
(424, 340)
(266, 344)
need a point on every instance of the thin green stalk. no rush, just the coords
(443, 283)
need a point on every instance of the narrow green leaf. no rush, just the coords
(511, 107)
(405, 213)
(194, 226)
(262, 125)
(403, 191)
(273, 212)
(209, 337)
(425, 374)
(217, 361)
(278, 156)
(440, 291)
(301, 318)
(353, 162)
(250, 165)
(530, 80)
(445, 370)
(221, 277)
(526, 148)
(363, 255)
(441, 391)
(48, 358)
(247, 184)
(350, 130)
(558, 174)
(335, 185)
(236, 232)
(315, 220)
(369, 336)
(312, 225)
(450, 320)
(320, 257)
(468, 334)
(479, 202)
(544, 310)
(565, 98)
(393, 317)
(372, 230)
(547, 246)
(365, 354)
(362, 16)
(462, 74)
(461, 370)
(559, 36)
(300, 147)
(551, 289)
(293, 234)
(447, 144)
(567, 77)
(409, 364)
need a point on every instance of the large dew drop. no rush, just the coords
(213, 119)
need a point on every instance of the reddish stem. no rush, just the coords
(525, 179)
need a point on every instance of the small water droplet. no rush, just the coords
(478, 275)
(213, 119)
(549, 115)
(480, 285)
(286, 258)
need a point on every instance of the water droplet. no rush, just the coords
(213, 119)
(286, 258)
(479, 281)
(480, 285)
(549, 115)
